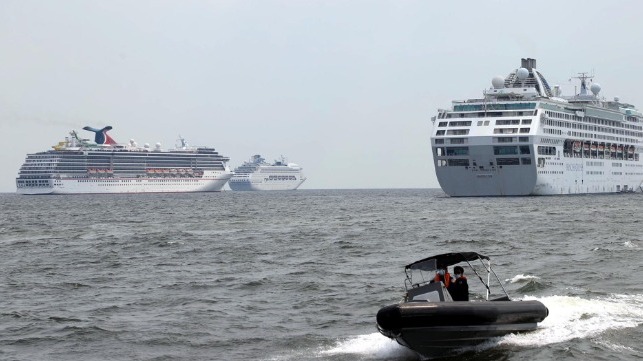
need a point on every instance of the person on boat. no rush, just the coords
(459, 288)
(442, 275)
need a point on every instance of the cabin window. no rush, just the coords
(507, 161)
(457, 151)
(458, 132)
(458, 162)
(505, 131)
(546, 150)
(503, 150)
(504, 140)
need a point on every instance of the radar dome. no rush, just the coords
(595, 88)
(522, 73)
(498, 82)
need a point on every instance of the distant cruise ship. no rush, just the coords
(77, 165)
(524, 138)
(257, 175)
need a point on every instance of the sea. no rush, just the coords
(300, 276)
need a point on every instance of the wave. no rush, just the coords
(528, 283)
(630, 244)
(521, 278)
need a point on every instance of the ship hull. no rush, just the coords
(553, 176)
(248, 185)
(128, 185)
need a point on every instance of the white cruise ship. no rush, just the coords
(258, 175)
(525, 138)
(77, 165)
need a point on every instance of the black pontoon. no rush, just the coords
(429, 322)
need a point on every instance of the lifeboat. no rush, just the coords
(429, 321)
(576, 146)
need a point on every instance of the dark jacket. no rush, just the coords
(459, 289)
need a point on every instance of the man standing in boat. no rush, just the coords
(459, 288)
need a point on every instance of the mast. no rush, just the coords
(583, 81)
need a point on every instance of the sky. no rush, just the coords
(346, 89)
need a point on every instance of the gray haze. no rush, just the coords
(344, 88)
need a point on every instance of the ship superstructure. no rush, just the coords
(259, 175)
(524, 138)
(78, 165)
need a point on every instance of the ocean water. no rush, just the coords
(301, 275)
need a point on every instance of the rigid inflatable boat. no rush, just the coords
(430, 323)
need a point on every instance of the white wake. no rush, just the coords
(569, 318)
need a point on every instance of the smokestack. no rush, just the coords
(528, 63)
(532, 63)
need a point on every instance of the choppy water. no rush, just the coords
(300, 275)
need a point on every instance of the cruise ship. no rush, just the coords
(258, 175)
(78, 165)
(523, 137)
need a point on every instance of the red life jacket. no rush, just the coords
(446, 279)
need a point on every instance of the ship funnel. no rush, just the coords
(528, 63)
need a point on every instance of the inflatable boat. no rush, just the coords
(431, 323)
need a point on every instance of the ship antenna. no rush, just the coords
(583, 81)
(184, 143)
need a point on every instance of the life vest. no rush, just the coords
(446, 279)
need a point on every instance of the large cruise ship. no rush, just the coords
(258, 175)
(77, 165)
(525, 138)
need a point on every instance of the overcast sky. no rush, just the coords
(346, 89)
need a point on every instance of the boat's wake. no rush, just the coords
(569, 318)
(575, 317)
(371, 346)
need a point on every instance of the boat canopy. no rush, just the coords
(444, 260)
